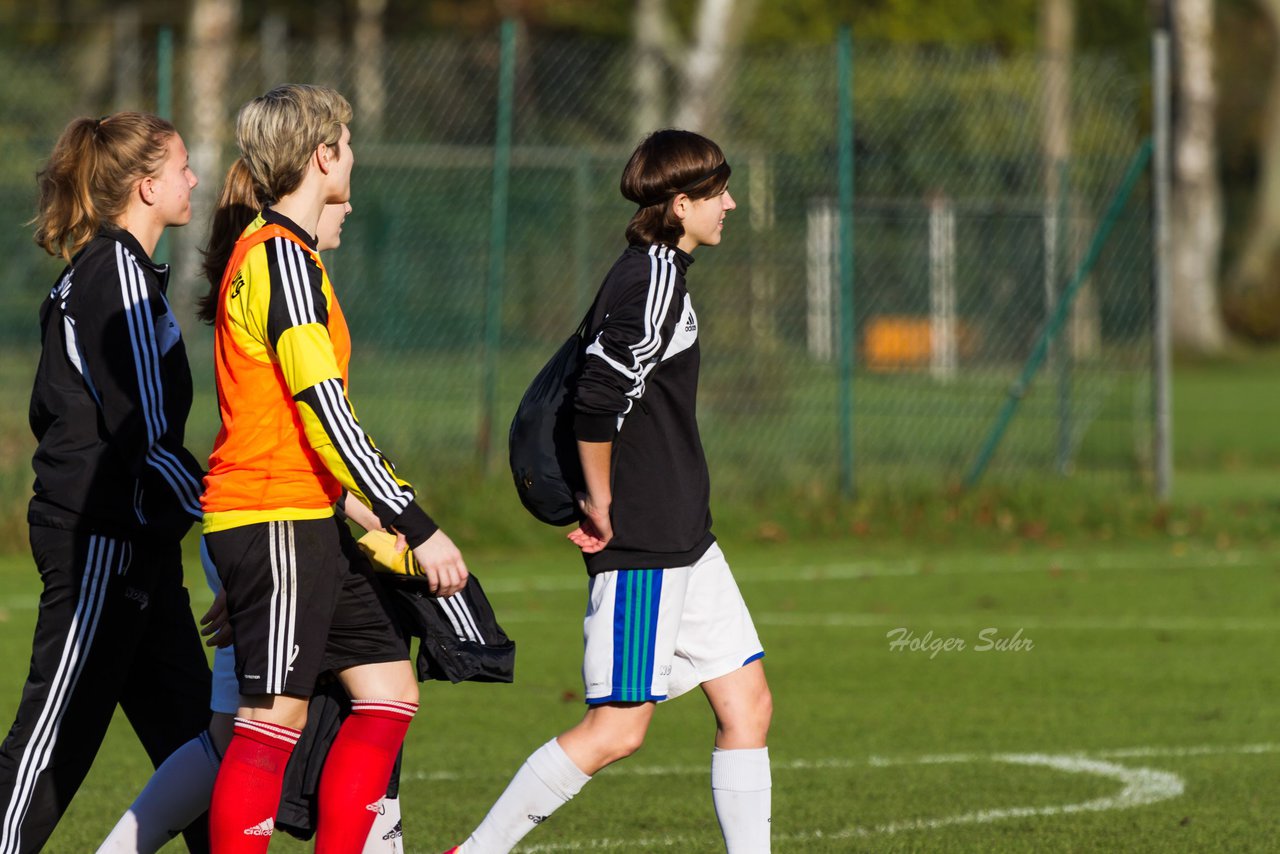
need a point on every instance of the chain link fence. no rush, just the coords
(966, 235)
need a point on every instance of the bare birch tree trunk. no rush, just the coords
(273, 50)
(210, 54)
(719, 26)
(648, 75)
(1057, 37)
(1057, 43)
(704, 63)
(328, 59)
(92, 59)
(1196, 215)
(370, 87)
(126, 36)
(1252, 286)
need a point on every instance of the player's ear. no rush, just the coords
(680, 205)
(323, 158)
(147, 190)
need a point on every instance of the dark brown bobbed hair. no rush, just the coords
(238, 204)
(667, 163)
(91, 174)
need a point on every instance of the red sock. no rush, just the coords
(356, 772)
(246, 795)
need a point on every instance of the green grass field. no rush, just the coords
(1138, 714)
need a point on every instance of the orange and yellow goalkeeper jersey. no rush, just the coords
(290, 441)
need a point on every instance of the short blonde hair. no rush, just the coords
(278, 132)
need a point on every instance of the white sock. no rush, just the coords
(741, 787)
(547, 780)
(386, 836)
(176, 795)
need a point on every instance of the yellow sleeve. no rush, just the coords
(297, 332)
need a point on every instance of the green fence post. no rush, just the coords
(1019, 389)
(581, 229)
(164, 106)
(844, 76)
(164, 73)
(1161, 343)
(497, 239)
(1064, 354)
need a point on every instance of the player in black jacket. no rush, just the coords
(115, 489)
(664, 614)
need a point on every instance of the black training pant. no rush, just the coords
(114, 626)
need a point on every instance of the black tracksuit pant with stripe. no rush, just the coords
(114, 627)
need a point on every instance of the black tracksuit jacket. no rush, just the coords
(110, 400)
(639, 388)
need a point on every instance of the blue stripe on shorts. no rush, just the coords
(635, 628)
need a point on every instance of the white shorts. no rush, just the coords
(653, 634)
(226, 690)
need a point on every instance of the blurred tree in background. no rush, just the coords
(683, 40)
(1250, 118)
(1195, 215)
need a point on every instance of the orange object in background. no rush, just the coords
(891, 342)
(905, 342)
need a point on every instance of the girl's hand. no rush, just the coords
(442, 564)
(596, 529)
(215, 625)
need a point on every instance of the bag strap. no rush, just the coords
(586, 318)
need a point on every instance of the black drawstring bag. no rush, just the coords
(541, 444)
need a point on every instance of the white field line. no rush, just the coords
(1139, 787)
(1011, 622)
(914, 567)
(1120, 622)
(840, 764)
(572, 578)
(1183, 752)
(859, 620)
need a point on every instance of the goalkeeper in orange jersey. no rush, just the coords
(299, 596)
(178, 793)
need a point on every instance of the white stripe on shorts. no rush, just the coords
(284, 604)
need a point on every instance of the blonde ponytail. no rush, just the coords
(90, 174)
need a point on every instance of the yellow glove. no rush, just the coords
(380, 548)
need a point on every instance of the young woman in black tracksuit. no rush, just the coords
(115, 489)
(664, 614)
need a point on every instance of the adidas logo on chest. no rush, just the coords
(685, 334)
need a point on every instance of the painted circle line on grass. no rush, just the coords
(1139, 787)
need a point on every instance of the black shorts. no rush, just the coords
(301, 600)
